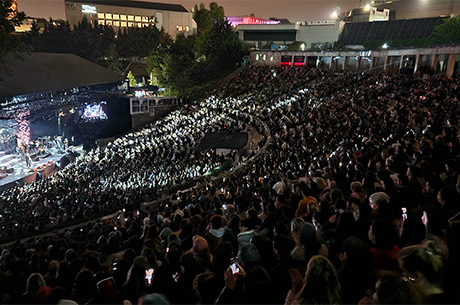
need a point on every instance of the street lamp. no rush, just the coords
(336, 14)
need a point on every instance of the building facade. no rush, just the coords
(443, 61)
(174, 18)
(410, 9)
(310, 34)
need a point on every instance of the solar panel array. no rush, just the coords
(360, 32)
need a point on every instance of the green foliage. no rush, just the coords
(9, 44)
(338, 45)
(138, 42)
(157, 66)
(113, 59)
(294, 46)
(216, 41)
(99, 43)
(56, 38)
(448, 31)
(91, 43)
(187, 66)
(224, 47)
(372, 44)
(322, 46)
(205, 18)
(132, 79)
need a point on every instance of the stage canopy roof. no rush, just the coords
(43, 72)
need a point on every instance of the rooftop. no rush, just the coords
(136, 4)
(42, 72)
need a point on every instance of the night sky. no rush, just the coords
(294, 10)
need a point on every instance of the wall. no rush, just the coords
(411, 9)
(169, 20)
(441, 59)
(320, 32)
(268, 33)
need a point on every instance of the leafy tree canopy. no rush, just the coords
(448, 31)
(9, 44)
(205, 18)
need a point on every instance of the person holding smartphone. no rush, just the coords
(246, 281)
(140, 276)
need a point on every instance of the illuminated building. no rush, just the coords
(278, 36)
(372, 10)
(174, 18)
(119, 14)
(235, 21)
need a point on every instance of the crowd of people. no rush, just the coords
(139, 164)
(355, 200)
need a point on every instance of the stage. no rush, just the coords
(17, 171)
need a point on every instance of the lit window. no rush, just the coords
(271, 57)
(108, 16)
(130, 24)
(116, 23)
(186, 29)
(145, 19)
(138, 18)
(101, 22)
(123, 17)
(264, 57)
(130, 18)
(179, 28)
(139, 25)
(108, 22)
(100, 15)
(257, 56)
(123, 24)
(116, 17)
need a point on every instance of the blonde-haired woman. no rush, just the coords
(320, 286)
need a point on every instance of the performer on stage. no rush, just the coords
(28, 159)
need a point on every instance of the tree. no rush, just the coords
(448, 31)
(9, 44)
(225, 48)
(84, 42)
(113, 59)
(56, 38)
(132, 79)
(138, 42)
(197, 61)
(157, 67)
(217, 42)
(205, 18)
(180, 63)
